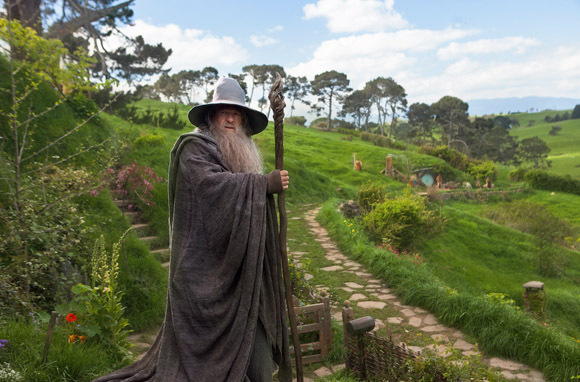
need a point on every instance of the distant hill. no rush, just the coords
(523, 104)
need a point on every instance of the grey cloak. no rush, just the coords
(224, 273)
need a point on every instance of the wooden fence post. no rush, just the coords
(49, 332)
(347, 316)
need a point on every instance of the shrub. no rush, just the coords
(402, 221)
(369, 195)
(82, 106)
(149, 141)
(382, 141)
(482, 170)
(295, 120)
(345, 131)
(544, 180)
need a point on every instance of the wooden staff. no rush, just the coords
(277, 104)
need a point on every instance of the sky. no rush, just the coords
(463, 48)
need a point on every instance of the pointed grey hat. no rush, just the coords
(229, 92)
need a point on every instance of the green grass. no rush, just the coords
(565, 146)
(500, 330)
(65, 361)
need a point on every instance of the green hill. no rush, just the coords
(565, 154)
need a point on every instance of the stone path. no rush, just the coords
(373, 294)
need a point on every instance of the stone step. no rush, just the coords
(149, 239)
(131, 215)
(160, 250)
(165, 265)
(139, 226)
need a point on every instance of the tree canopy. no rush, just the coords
(329, 86)
(90, 23)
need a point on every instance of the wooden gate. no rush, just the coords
(313, 318)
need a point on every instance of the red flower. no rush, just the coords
(72, 338)
(82, 338)
(71, 317)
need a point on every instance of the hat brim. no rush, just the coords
(257, 120)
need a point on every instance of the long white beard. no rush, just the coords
(238, 150)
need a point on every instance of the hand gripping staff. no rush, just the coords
(277, 104)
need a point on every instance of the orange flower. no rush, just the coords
(82, 338)
(72, 338)
(71, 317)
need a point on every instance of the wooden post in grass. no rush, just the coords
(48, 340)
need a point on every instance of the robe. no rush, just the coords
(224, 273)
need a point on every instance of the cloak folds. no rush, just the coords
(224, 273)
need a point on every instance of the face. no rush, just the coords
(228, 118)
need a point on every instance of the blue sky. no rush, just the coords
(467, 49)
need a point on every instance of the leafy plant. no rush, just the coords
(402, 221)
(369, 195)
(99, 305)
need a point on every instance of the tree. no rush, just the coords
(77, 23)
(358, 104)
(208, 77)
(505, 122)
(296, 88)
(535, 150)
(257, 75)
(421, 118)
(498, 145)
(480, 127)
(329, 86)
(388, 96)
(451, 114)
(575, 112)
(39, 232)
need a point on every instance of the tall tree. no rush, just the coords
(257, 76)
(296, 88)
(451, 114)
(328, 87)
(421, 118)
(209, 76)
(358, 104)
(241, 78)
(535, 150)
(499, 146)
(78, 22)
(396, 101)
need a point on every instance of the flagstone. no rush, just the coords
(363, 274)
(419, 310)
(463, 345)
(386, 296)
(440, 337)
(323, 372)
(350, 284)
(408, 312)
(441, 350)
(433, 328)
(332, 268)
(357, 297)
(394, 320)
(430, 320)
(415, 321)
(371, 304)
(347, 289)
(505, 364)
(308, 276)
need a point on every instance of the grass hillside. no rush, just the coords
(565, 154)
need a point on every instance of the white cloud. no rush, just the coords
(261, 40)
(351, 16)
(192, 48)
(363, 57)
(277, 28)
(486, 46)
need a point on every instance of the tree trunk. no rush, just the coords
(329, 110)
(27, 12)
